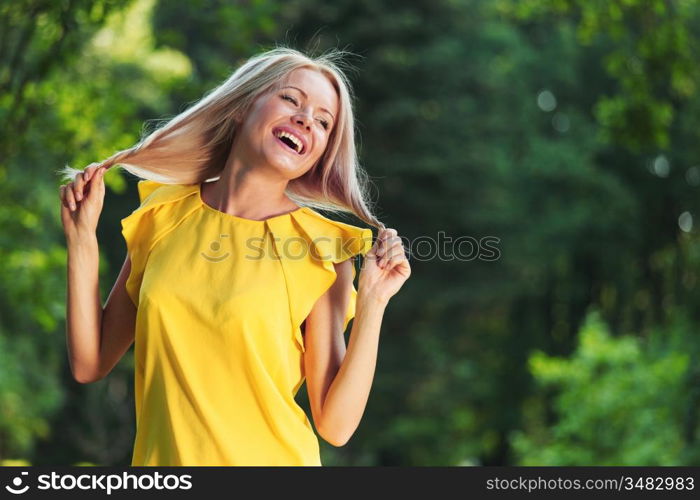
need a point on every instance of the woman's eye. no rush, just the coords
(289, 98)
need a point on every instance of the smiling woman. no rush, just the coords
(235, 290)
(198, 144)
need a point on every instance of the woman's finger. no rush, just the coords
(97, 187)
(78, 186)
(391, 240)
(92, 168)
(70, 197)
(390, 243)
(399, 261)
(62, 195)
(394, 251)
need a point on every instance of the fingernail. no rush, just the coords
(78, 196)
(72, 206)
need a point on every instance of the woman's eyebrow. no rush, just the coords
(306, 97)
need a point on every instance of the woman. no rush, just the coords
(234, 289)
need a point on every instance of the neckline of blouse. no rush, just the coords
(237, 218)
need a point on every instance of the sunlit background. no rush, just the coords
(566, 131)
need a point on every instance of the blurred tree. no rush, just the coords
(653, 60)
(619, 400)
(37, 39)
(647, 122)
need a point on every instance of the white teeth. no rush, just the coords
(296, 141)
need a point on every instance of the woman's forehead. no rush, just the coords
(312, 84)
(306, 76)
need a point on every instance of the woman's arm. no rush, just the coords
(96, 338)
(339, 380)
(83, 309)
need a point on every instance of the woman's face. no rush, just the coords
(304, 107)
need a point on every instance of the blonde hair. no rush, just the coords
(193, 146)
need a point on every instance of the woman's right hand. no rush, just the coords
(81, 202)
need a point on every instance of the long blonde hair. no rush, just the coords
(193, 146)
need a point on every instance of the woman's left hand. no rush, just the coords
(385, 267)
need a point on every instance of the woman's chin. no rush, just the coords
(292, 171)
(286, 164)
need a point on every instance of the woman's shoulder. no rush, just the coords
(162, 207)
(308, 245)
(152, 192)
(340, 240)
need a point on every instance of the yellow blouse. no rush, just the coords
(218, 342)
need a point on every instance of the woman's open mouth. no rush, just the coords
(289, 142)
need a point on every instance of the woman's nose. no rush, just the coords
(302, 119)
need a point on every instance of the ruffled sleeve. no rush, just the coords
(308, 244)
(157, 215)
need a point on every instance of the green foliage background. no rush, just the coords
(567, 129)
